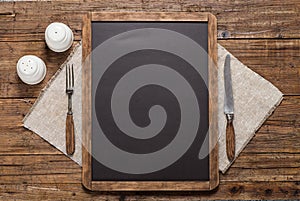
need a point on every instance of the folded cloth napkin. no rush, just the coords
(255, 99)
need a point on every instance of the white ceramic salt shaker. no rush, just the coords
(31, 69)
(59, 37)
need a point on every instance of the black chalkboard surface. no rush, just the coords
(149, 101)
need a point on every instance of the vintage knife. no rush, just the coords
(229, 110)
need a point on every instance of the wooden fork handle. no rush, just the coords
(230, 141)
(70, 135)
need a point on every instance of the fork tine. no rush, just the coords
(66, 77)
(70, 78)
(72, 75)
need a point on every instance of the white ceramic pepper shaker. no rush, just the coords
(59, 37)
(31, 69)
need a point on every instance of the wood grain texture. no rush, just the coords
(230, 140)
(70, 135)
(213, 98)
(264, 35)
(213, 109)
(236, 19)
(233, 190)
(151, 16)
(86, 101)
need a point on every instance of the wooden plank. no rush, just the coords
(289, 103)
(41, 178)
(227, 190)
(267, 174)
(87, 102)
(18, 140)
(276, 60)
(274, 139)
(13, 111)
(12, 165)
(150, 185)
(151, 16)
(51, 192)
(236, 19)
(213, 97)
(267, 160)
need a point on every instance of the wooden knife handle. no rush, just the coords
(70, 136)
(230, 140)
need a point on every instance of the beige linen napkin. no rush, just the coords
(255, 99)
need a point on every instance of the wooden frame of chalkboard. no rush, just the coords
(166, 17)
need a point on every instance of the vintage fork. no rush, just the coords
(70, 135)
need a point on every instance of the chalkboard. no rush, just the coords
(149, 101)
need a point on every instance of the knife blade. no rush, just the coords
(229, 110)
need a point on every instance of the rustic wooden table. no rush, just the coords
(264, 35)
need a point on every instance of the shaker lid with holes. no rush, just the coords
(59, 37)
(31, 69)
